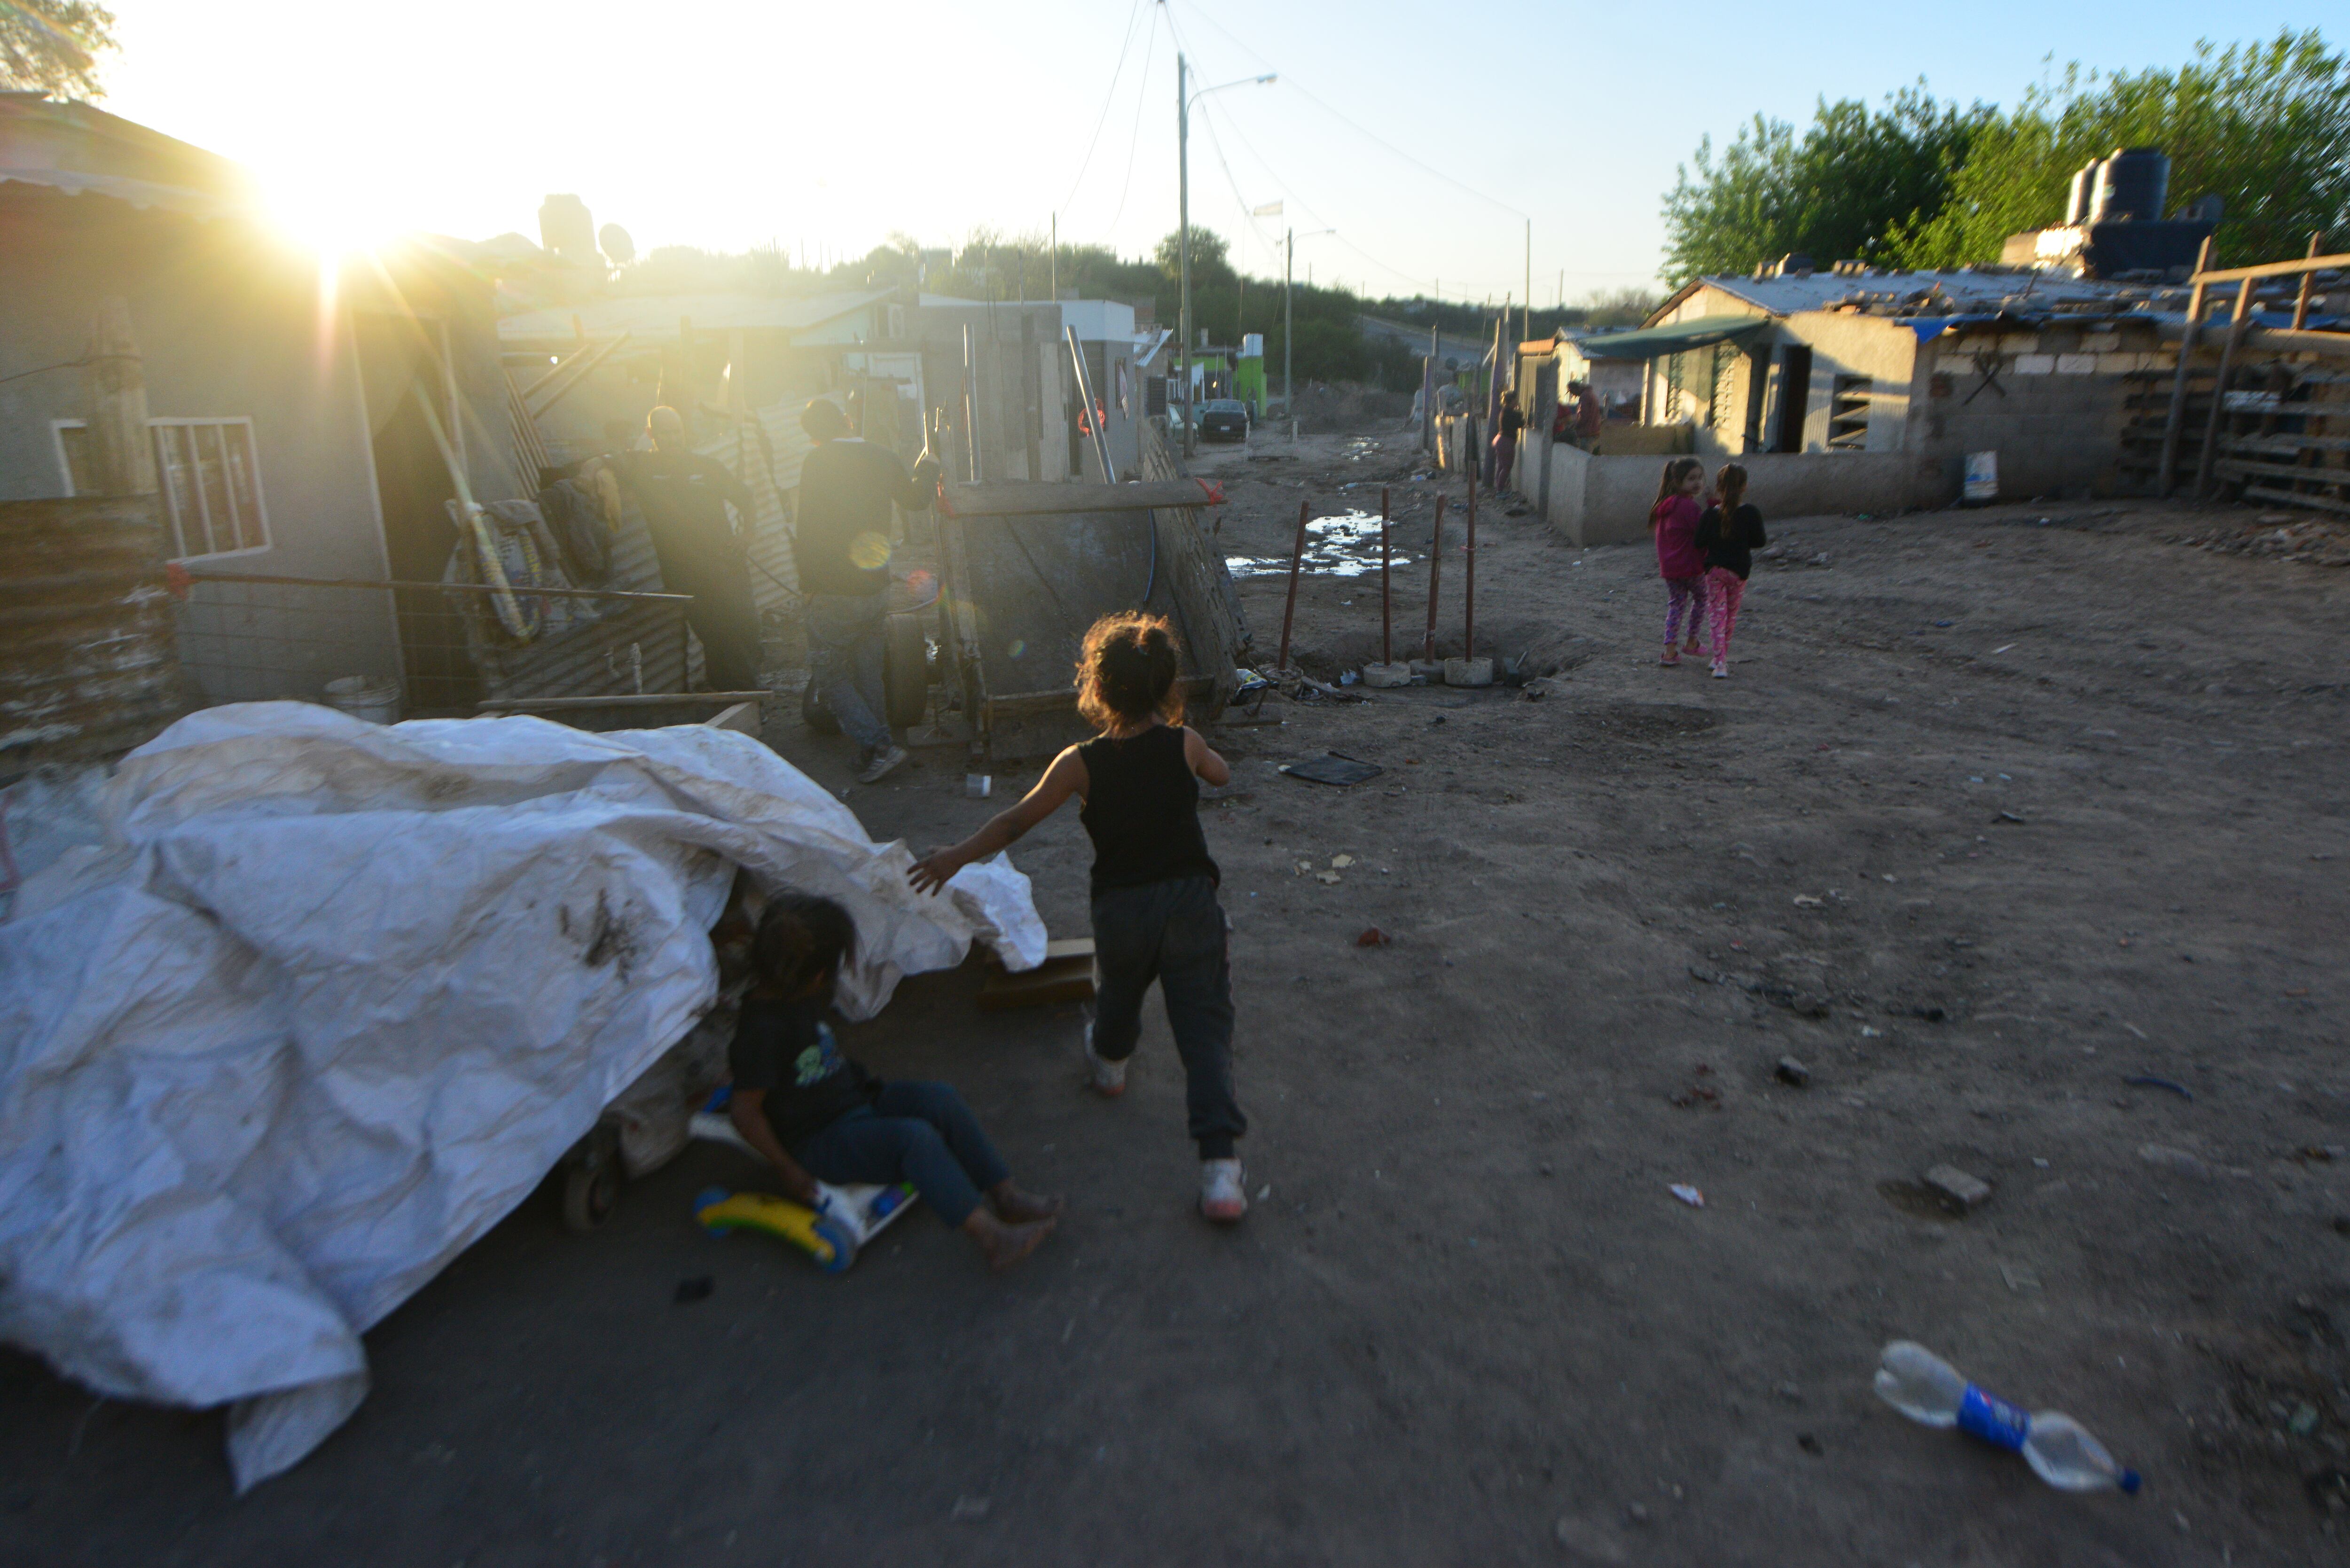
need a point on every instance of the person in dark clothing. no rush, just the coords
(818, 1116)
(684, 496)
(1505, 441)
(1155, 914)
(842, 548)
(1728, 533)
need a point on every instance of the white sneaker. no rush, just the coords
(1109, 1078)
(886, 758)
(1224, 1195)
(1721, 672)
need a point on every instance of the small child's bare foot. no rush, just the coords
(1015, 1207)
(1007, 1244)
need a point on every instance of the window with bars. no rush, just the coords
(210, 479)
(209, 476)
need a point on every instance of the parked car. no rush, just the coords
(1225, 418)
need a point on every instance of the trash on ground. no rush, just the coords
(1688, 1194)
(1333, 768)
(2173, 1159)
(1964, 1191)
(1065, 975)
(1340, 862)
(1372, 937)
(1792, 1073)
(1806, 902)
(1930, 1391)
(2148, 1081)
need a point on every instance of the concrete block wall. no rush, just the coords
(2051, 403)
(1606, 500)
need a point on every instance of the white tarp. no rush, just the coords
(330, 998)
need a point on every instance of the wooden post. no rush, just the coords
(122, 455)
(1386, 602)
(2237, 323)
(1469, 584)
(1435, 571)
(2174, 423)
(1289, 610)
(2301, 301)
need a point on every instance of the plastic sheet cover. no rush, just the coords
(317, 1003)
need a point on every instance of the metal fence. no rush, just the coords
(447, 647)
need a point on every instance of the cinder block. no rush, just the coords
(2035, 364)
(2077, 364)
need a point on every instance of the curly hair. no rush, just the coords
(803, 940)
(1126, 672)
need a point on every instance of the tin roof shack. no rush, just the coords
(286, 403)
(1857, 390)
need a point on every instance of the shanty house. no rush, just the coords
(1859, 390)
(305, 421)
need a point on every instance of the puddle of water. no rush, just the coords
(1347, 545)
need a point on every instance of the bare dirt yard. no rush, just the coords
(2023, 830)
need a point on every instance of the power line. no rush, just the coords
(1142, 97)
(1356, 126)
(1085, 163)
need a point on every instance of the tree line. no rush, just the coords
(1923, 184)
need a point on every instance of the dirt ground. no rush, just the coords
(2022, 829)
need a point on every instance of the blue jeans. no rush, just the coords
(1172, 932)
(846, 643)
(921, 1133)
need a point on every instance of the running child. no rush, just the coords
(1729, 533)
(1155, 913)
(818, 1116)
(1673, 520)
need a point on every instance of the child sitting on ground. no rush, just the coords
(1155, 913)
(817, 1116)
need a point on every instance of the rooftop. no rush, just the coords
(657, 314)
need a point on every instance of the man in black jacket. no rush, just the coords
(684, 496)
(842, 548)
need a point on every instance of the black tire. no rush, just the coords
(591, 1181)
(906, 673)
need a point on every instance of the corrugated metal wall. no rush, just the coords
(87, 664)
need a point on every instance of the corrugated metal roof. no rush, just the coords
(657, 314)
(138, 193)
(1963, 291)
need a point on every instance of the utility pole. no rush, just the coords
(1183, 244)
(1527, 330)
(1053, 270)
(1289, 332)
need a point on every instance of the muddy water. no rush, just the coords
(1345, 545)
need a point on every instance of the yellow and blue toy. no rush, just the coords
(857, 1214)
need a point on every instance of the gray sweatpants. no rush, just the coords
(1172, 932)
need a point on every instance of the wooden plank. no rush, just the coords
(1021, 498)
(2236, 326)
(1065, 975)
(742, 717)
(2273, 269)
(2295, 498)
(2239, 467)
(621, 699)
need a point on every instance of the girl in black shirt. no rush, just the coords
(1730, 532)
(1155, 912)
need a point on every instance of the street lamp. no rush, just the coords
(1184, 103)
(1289, 326)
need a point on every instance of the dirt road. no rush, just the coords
(2023, 830)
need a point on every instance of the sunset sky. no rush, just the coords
(1425, 135)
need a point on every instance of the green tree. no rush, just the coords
(52, 46)
(1208, 254)
(2265, 127)
(1839, 191)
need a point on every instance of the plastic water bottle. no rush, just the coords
(1928, 1389)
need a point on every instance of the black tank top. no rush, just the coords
(1142, 810)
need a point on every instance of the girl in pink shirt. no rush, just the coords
(1673, 520)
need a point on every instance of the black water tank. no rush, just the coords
(2076, 202)
(2132, 184)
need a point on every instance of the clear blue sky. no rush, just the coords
(727, 122)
